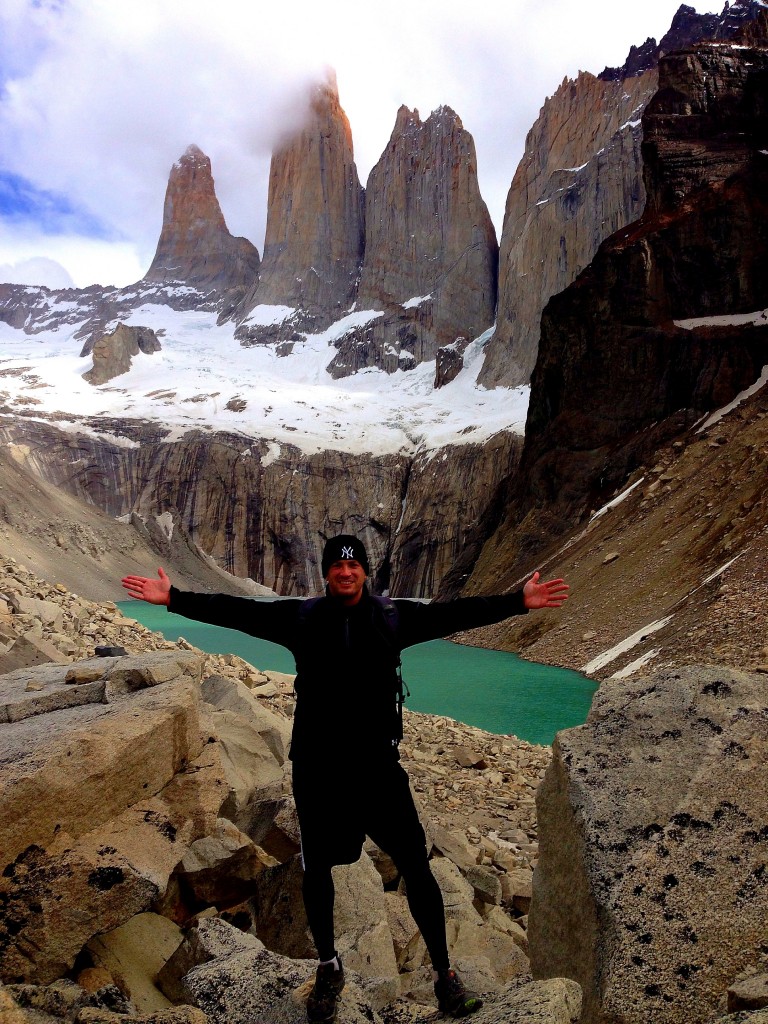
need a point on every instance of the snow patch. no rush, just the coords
(272, 454)
(165, 522)
(757, 319)
(416, 301)
(624, 645)
(716, 416)
(617, 500)
(266, 315)
(638, 663)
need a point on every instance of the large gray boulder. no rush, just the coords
(555, 1001)
(651, 888)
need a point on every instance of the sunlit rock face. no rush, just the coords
(430, 247)
(315, 222)
(195, 246)
(579, 181)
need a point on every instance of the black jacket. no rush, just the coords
(346, 659)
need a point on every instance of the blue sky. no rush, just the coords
(98, 99)
(50, 212)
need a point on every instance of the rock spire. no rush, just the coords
(195, 245)
(430, 247)
(315, 220)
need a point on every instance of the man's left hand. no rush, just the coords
(544, 595)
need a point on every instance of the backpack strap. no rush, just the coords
(391, 618)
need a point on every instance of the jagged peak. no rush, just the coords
(444, 113)
(192, 156)
(688, 28)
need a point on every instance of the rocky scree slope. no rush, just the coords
(175, 896)
(194, 821)
(75, 544)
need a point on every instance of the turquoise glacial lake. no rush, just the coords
(492, 690)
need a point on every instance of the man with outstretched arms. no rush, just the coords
(347, 779)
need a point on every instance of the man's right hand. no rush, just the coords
(155, 591)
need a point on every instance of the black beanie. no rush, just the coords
(344, 547)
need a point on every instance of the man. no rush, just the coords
(347, 779)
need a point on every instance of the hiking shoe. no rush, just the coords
(452, 997)
(321, 1004)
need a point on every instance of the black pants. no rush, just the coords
(336, 812)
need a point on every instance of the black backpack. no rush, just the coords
(390, 618)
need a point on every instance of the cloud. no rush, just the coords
(98, 100)
(38, 270)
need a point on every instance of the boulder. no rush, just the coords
(485, 883)
(56, 899)
(28, 650)
(279, 919)
(556, 1001)
(172, 1015)
(57, 761)
(491, 957)
(409, 947)
(227, 694)
(219, 869)
(748, 994)
(41, 1004)
(134, 953)
(363, 937)
(452, 845)
(651, 884)
(251, 769)
(206, 939)
(517, 889)
(360, 914)
(114, 352)
(244, 982)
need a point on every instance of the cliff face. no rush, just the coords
(630, 353)
(195, 247)
(266, 515)
(579, 181)
(315, 223)
(430, 247)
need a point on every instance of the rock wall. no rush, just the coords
(315, 222)
(430, 247)
(267, 517)
(651, 889)
(579, 180)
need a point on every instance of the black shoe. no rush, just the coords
(452, 997)
(321, 1004)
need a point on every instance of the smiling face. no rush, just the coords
(346, 579)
